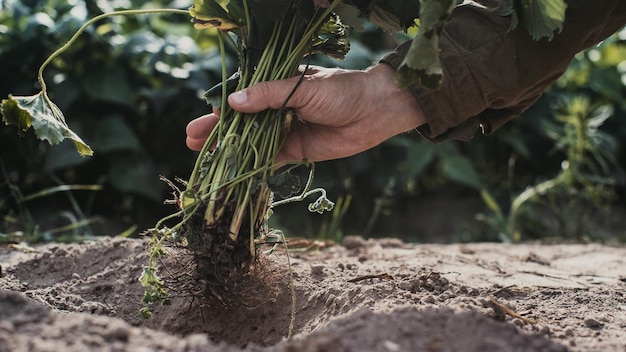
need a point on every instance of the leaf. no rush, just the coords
(114, 134)
(113, 85)
(543, 17)
(407, 11)
(392, 15)
(421, 63)
(419, 155)
(135, 173)
(349, 16)
(44, 116)
(209, 14)
(459, 168)
(321, 204)
(385, 19)
(332, 39)
(284, 184)
(213, 96)
(236, 11)
(149, 278)
(509, 10)
(540, 17)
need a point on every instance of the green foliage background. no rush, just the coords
(129, 86)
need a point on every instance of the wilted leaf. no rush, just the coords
(321, 205)
(209, 13)
(422, 61)
(149, 277)
(332, 39)
(284, 184)
(44, 116)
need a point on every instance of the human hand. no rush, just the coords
(340, 112)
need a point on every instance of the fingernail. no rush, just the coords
(239, 97)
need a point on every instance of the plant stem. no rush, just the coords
(89, 23)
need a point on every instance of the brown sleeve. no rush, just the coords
(492, 74)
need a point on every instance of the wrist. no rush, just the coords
(399, 108)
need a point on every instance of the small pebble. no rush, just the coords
(592, 323)
(353, 242)
(429, 299)
(317, 269)
(391, 346)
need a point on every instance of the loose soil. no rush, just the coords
(363, 295)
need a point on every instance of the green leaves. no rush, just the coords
(540, 17)
(391, 15)
(209, 13)
(332, 39)
(422, 61)
(421, 65)
(44, 116)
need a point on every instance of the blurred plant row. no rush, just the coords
(129, 86)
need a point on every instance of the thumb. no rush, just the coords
(263, 95)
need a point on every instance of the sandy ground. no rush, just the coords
(374, 295)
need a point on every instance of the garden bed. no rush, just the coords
(364, 295)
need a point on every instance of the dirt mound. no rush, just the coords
(375, 295)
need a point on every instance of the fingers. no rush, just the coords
(195, 144)
(265, 95)
(199, 129)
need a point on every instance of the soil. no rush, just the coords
(363, 295)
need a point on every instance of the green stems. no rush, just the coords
(231, 179)
(89, 23)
